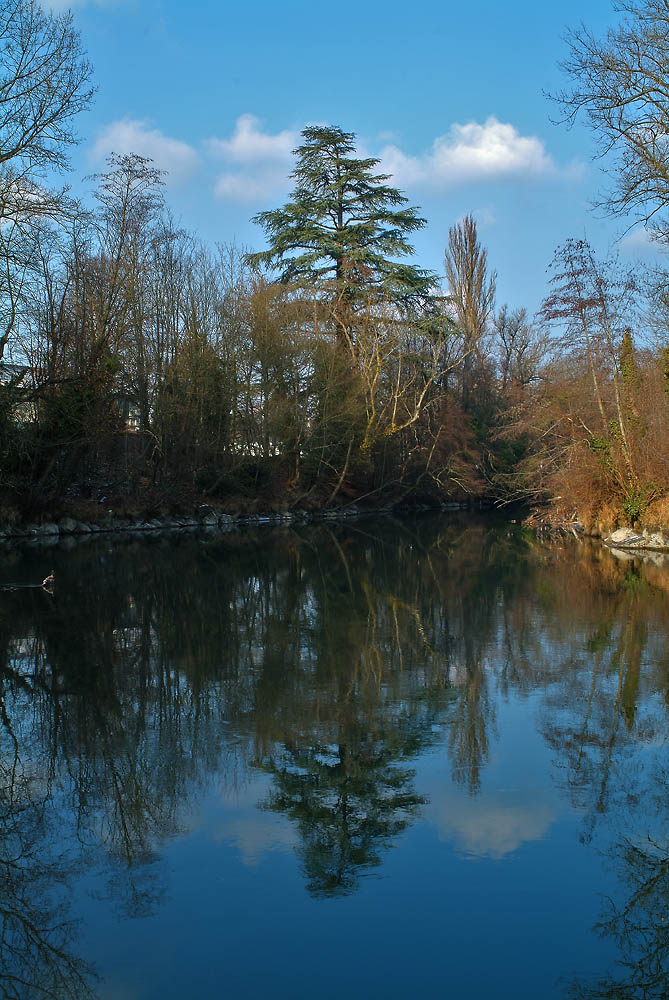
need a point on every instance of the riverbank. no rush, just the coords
(545, 522)
(548, 524)
(205, 518)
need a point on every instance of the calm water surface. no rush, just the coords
(381, 759)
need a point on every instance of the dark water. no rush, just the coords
(381, 759)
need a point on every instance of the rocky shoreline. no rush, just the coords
(649, 539)
(205, 519)
(209, 520)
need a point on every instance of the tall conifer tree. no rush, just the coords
(343, 230)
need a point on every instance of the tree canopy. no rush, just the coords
(344, 227)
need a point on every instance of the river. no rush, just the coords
(379, 758)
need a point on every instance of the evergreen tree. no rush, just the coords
(343, 230)
(627, 362)
(631, 381)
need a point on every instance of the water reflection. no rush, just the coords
(328, 663)
(37, 934)
(639, 926)
(494, 825)
(349, 799)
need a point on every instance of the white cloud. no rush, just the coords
(130, 136)
(485, 217)
(640, 241)
(249, 144)
(247, 187)
(387, 135)
(470, 152)
(252, 830)
(257, 163)
(494, 825)
(254, 165)
(256, 834)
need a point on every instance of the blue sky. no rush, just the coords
(450, 96)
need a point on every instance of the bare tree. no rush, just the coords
(44, 84)
(620, 84)
(593, 303)
(520, 348)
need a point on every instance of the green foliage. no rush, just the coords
(344, 225)
(636, 500)
(546, 593)
(633, 583)
(339, 418)
(600, 639)
(349, 804)
(84, 406)
(600, 445)
(193, 407)
(628, 365)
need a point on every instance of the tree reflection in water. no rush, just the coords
(328, 660)
(350, 800)
(639, 927)
(37, 936)
(606, 719)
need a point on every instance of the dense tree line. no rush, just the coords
(149, 367)
(143, 369)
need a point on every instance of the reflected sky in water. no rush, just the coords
(380, 757)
